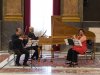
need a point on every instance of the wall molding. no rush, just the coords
(13, 10)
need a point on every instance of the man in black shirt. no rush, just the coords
(18, 47)
(32, 36)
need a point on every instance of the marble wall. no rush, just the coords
(8, 29)
(13, 9)
(13, 14)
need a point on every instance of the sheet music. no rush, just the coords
(76, 42)
(32, 43)
(66, 41)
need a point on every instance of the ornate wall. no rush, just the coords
(13, 9)
(71, 10)
(13, 14)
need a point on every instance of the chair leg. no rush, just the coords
(14, 59)
(91, 56)
(86, 56)
(8, 59)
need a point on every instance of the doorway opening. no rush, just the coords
(41, 12)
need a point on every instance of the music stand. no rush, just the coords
(73, 42)
(29, 46)
(34, 43)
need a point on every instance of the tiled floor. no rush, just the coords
(54, 71)
(90, 68)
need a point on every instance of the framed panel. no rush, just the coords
(70, 10)
(13, 9)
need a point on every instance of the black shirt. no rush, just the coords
(32, 36)
(17, 43)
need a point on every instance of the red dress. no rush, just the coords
(80, 49)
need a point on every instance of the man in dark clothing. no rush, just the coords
(32, 36)
(18, 47)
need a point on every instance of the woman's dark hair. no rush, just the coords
(81, 30)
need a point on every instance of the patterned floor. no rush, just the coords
(44, 67)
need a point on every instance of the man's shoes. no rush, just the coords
(34, 58)
(17, 64)
(67, 62)
(73, 64)
(25, 64)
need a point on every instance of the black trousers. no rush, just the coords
(19, 53)
(72, 55)
(35, 55)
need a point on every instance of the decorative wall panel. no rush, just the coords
(13, 9)
(70, 10)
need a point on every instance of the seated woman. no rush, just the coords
(72, 56)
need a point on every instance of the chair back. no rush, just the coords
(10, 46)
(90, 45)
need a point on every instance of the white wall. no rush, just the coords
(97, 33)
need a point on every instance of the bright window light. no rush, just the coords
(41, 12)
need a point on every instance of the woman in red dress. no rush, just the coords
(72, 56)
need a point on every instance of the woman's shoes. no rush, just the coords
(73, 64)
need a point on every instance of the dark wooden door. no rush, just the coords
(91, 10)
(1, 6)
